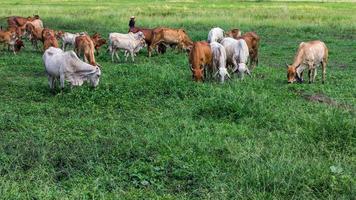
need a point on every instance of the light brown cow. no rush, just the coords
(20, 21)
(309, 56)
(234, 33)
(252, 40)
(170, 37)
(8, 38)
(84, 44)
(200, 57)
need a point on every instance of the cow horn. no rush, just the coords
(97, 64)
(191, 68)
(287, 65)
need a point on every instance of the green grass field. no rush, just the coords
(149, 132)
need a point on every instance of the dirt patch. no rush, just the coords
(322, 98)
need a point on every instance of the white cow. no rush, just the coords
(215, 35)
(219, 61)
(67, 66)
(236, 54)
(131, 42)
(68, 39)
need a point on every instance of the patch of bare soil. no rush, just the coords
(322, 98)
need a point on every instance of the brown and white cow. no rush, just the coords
(200, 57)
(309, 56)
(34, 34)
(170, 36)
(252, 40)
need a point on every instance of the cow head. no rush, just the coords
(198, 73)
(94, 78)
(59, 34)
(223, 74)
(234, 33)
(291, 73)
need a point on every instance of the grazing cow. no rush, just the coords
(8, 38)
(148, 38)
(131, 42)
(100, 42)
(219, 61)
(84, 44)
(215, 35)
(309, 56)
(200, 57)
(236, 55)
(234, 33)
(170, 37)
(68, 67)
(252, 40)
(34, 34)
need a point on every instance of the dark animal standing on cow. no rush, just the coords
(132, 22)
(252, 40)
(309, 56)
(200, 57)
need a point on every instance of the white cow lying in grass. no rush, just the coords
(131, 42)
(67, 66)
(215, 35)
(219, 61)
(237, 55)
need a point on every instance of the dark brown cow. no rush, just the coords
(252, 40)
(170, 37)
(49, 40)
(200, 57)
(20, 21)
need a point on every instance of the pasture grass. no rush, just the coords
(149, 132)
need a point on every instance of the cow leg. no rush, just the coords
(62, 80)
(117, 56)
(323, 65)
(132, 55)
(309, 75)
(112, 55)
(51, 82)
(314, 74)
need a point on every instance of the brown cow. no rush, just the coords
(171, 37)
(200, 57)
(85, 44)
(252, 40)
(8, 38)
(19, 31)
(34, 34)
(20, 21)
(49, 39)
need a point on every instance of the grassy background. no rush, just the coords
(148, 131)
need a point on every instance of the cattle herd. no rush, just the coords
(223, 54)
